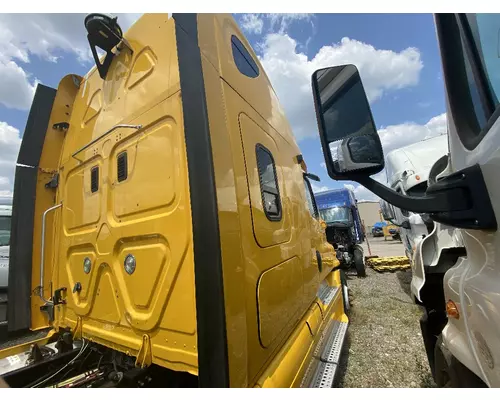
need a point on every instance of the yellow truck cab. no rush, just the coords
(171, 226)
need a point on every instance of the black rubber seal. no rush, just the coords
(213, 369)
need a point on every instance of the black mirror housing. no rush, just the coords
(406, 224)
(351, 145)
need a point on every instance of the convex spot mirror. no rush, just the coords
(351, 145)
(387, 211)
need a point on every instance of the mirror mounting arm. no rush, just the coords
(460, 199)
(440, 202)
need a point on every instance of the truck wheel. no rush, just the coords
(359, 262)
(345, 292)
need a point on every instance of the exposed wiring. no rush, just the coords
(85, 359)
(83, 348)
(99, 363)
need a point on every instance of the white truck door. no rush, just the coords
(470, 50)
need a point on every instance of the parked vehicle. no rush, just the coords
(344, 230)
(378, 229)
(407, 171)
(173, 235)
(461, 292)
(5, 218)
(232, 294)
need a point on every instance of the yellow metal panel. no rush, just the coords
(26, 346)
(45, 198)
(267, 232)
(82, 207)
(314, 319)
(291, 362)
(279, 297)
(231, 99)
(154, 147)
(293, 355)
(228, 169)
(151, 313)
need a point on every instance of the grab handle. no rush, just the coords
(42, 252)
(105, 134)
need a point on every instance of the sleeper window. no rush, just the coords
(243, 60)
(268, 183)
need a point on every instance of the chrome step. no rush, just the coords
(323, 366)
(331, 352)
(327, 293)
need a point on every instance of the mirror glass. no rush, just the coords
(345, 121)
(387, 211)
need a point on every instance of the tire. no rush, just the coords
(359, 262)
(345, 292)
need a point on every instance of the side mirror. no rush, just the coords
(387, 211)
(352, 151)
(351, 145)
(406, 224)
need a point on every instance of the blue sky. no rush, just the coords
(397, 56)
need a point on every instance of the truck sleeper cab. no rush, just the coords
(179, 227)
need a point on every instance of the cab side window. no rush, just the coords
(269, 188)
(471, 62)
(243, 60)
(311, 203)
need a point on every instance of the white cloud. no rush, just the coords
(363, 194)
(282, 21)
(16, 88)
(252, 23)
(290, 73)
(396, 136)
(278, 23)
(318, 188)
(45, 35)
(48, 36)
(323, 165)
(9, 149)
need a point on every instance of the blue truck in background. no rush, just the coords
(338, 208)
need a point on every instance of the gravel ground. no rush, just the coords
(384, 344)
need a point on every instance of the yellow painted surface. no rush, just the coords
(270, 268)
(288, 367)
(261, 258)
(147, 215)
(46, 198)
(25, 346)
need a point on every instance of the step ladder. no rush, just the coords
(324, 364)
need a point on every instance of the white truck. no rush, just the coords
(5, 218)
(407, 171)
(459, 289)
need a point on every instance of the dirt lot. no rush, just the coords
(384, 343)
